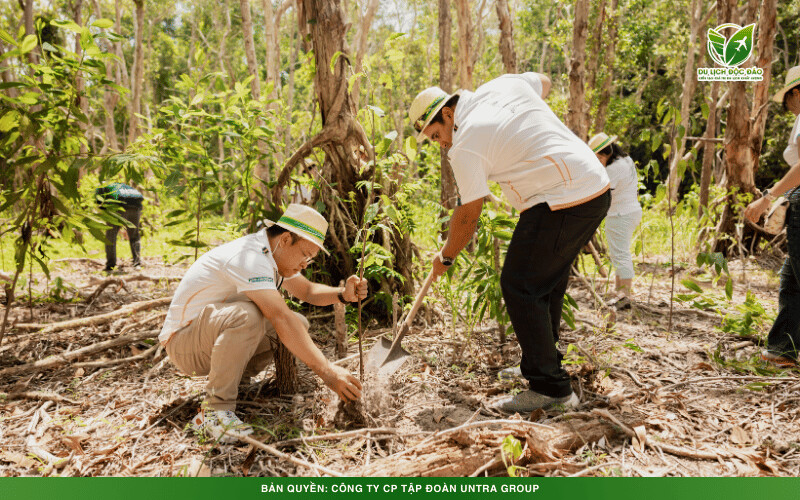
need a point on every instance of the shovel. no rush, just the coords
(386, 356)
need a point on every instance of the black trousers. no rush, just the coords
(132, 214)
(534, 280)
(784, 336)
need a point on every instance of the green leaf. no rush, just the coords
(729, 288)
(692, 285)
(9, 121)
(28, 44)
(103, 24)
(740, 46)
(6, 37)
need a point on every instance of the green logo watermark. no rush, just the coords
(730, 53)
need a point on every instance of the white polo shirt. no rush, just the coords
(506, 133)
(624, 187)
(790, 153)
(222, 274)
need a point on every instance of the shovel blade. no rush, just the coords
(382, 360)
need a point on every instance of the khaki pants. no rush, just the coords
(226, 341)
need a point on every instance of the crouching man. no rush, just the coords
(228, 312)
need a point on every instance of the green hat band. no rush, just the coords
(303, 227)
(601, 145)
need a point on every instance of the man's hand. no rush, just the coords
(355, 289)
(438, 268)
(343, 383)
(756, 209)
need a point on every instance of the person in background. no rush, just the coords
(128, 201)
(505, 132)
(625, 212)
(783, 341)
(228, 312)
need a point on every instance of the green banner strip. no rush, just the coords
(399, 488)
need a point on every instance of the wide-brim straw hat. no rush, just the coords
(425, 106)
(792, 81)
(601, 141)
(305, 222)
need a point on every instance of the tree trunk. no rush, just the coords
(464, 44)
(709, 151)
(137, 79)
(295, 42)
(507, 51)
(609, 60)
(689, 85)
(250, 49)
(80, 85)
(577, 113)
(745, 127)
(363, 30)
(449, 193)
(262, 170)
(27, 20)
(596, 47)
(110, 96)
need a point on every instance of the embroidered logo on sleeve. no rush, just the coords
(261, 279)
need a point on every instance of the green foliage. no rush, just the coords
(749, 320)
(510, 452)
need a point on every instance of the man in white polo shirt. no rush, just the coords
(227, 313)
(506, 133)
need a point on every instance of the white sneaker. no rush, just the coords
(221, 425)
(528, 401)
(512, 373)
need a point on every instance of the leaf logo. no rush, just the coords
(734, 51)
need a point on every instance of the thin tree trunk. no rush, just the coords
(596, 46)
(578, 107)
(137, 79)
(689, 85)
(709, 151)
(361, 36)
(110, 96)
(507, 51)
(609, 60)
(545, 42)
(464, 44)
(249, 49)
(449, 194)
(294, 48)
(27, 19)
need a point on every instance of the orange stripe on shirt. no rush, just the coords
(557, 168)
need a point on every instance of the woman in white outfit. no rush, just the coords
(625, 213)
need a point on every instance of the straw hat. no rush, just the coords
(305, 222)
(425, 106)
(600, 141)
(792, 80)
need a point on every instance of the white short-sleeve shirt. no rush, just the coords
(505, 132)
(624, 187)
(222, 274)
(790, 154)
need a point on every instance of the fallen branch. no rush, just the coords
(596, 467)
(96, 320)
(112, 362)
(273, 451)
(36, 396)
(61, 359)
(336, 436)
(36, 449)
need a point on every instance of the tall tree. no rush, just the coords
(578, 107)
(697, 22)
(137, 78)
(367, 15)
(609, 58)
(463, 13)
(507, 51)
(744, 133)
(449, 193)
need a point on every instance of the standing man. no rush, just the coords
(228, 312)
(128, 202)
(505, 132)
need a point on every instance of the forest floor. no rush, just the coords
(103, 400)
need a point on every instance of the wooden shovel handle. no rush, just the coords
(423, 291)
